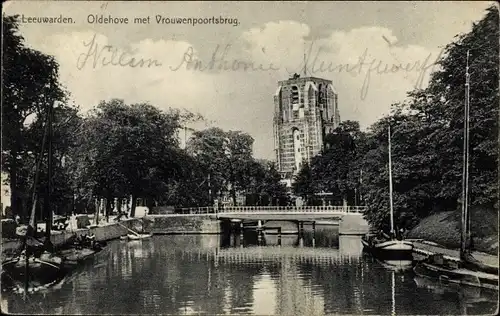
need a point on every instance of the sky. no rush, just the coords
(374, 53)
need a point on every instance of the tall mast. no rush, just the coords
(390, 181)
(32, 222)
(465, 175)
(48, 206)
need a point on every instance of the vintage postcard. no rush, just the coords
(262, 158)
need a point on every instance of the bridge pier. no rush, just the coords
(242, 231)
(314, 234)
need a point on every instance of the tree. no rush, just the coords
(29, 85)
(427, 136)
(337, 169)
(264, 186)
(227, 159)
(208, 148)
(447, 86)
(272, 186)
(128, 150)
(303, 185)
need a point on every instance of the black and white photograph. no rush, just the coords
(250, 157)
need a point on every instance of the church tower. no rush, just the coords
(305, 110)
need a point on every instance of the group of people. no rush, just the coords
(398, 234)
(86, 241)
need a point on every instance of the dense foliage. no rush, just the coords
(427, 141)
(29, 80)
(229, 167)
(121, 150)
(117, 150)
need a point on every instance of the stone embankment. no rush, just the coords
(182, 224)
(165, 224)
(156, 224)
(102, 232)
(424, 248)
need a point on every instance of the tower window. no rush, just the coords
(295, 94)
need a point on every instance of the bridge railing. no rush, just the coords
(299, 209)
(196, 210)
(269, 209)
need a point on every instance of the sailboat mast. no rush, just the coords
(32, 221)
(48, 214)
(390, 181)
(465, 175)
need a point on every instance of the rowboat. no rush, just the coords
(74, 256)
(139, 236)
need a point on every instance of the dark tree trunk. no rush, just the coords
(149, 204)
(233, 194)
(14, 194)
(108, 207)
(119, 205)
(132, 209)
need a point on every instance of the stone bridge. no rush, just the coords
(350, 218)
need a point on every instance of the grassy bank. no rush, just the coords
(444, 229)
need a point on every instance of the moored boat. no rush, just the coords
(35, 264)
(35, 271)
(396, 265)
(466, 270)
(139, 236)
(388, 246)
(446, 272)
(75, 256)
(389, 249)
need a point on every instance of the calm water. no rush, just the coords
(213, 274)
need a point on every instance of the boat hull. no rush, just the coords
(76, 256)
(389, 250)
(457, 276)
(396, 265)
(40, 272)
(139, 237)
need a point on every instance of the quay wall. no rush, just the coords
(102, 233)
(182, 224)
(353, 224)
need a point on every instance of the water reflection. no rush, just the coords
(473, 300)
(214, 274)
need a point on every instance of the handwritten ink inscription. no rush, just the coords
(108, 55)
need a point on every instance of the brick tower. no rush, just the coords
(305, 110)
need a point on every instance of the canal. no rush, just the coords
(216, 274)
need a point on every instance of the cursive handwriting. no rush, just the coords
(109, 55)
(220, 62)
(312, 64)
